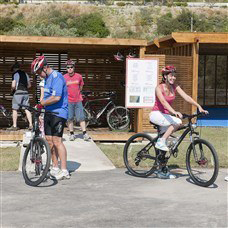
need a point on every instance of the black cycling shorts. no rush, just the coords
(54, 125)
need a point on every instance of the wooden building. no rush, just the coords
(192, 53)
(94, 60)
(201, 60)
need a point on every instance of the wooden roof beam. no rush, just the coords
(190, 37)
(71, 40)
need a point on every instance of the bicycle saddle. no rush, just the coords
(86, 93)
(155, 126)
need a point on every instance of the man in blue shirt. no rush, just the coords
(56, 100)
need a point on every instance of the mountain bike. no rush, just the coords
(8, 115)
(37, 156)
(117, 117)
(142, 158)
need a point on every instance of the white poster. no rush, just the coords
(141, 81)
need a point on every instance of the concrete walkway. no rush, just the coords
(81, 155)
(112, 199)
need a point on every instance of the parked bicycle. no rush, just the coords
(117, 116)
(142, 158)
(8, 115)
(37, 156)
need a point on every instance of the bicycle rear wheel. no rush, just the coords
(202, 163)
(140, 155)
(118, 118)
(36, 162)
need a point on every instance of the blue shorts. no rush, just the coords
(76, 111)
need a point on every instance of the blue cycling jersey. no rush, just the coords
(55, 85)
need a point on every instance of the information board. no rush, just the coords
(141, 81)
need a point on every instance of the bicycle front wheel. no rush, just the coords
(140, 155)
(202, 163)
(36, 162)
(118, 118)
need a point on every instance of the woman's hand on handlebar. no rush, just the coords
(203, 111)
(178, 114)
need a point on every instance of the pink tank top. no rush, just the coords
(158, 106)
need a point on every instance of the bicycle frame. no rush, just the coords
(87, 105)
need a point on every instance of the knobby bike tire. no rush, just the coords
(207, 154)
(118, 122)
(134, 159)
(41, 142)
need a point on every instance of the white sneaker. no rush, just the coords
(163, 175)
(72, 138)
(86, 137)
(61, 175)
(226, 178)
(161, 145)
(54, 171)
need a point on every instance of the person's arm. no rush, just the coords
(56, 92)
(28, 81)
(187, 98)
(81, 84)
(41, 93)
(161, 98)
(13, 85)
(51, 100)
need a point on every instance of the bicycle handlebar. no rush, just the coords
(31, 109)
(193, 116)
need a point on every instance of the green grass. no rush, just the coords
(9, 158)
(218, 137)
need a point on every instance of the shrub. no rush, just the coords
(43, 30)
(7, 24)
(120, 4)
(90, 24)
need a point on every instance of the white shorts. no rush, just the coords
(164, 120)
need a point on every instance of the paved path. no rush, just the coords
(112, 199)
(81, 155)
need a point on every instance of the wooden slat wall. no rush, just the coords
(7, 59)
(100, 72)
(184, 65)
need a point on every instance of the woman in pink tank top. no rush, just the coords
(162, 112)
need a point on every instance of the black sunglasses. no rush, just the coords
(70, 67)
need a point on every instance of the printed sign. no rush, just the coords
(141, 81)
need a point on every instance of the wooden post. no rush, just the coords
(195, 55)
(138, 123)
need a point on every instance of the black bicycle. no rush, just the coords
(37, 156)
(142, 158)
(8, 115)
(117, 117)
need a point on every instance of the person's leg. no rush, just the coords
(29, 117)
(25, 101)
(164, 120)
(48, 135)
(81, 119)
(54, 154)
(14, 118)
(61, 151)
(58, 126)
(82, 125)
(71, 111)
(17, 99)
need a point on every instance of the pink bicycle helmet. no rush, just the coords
(38, 64)
(168, 69)
(70, 62)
